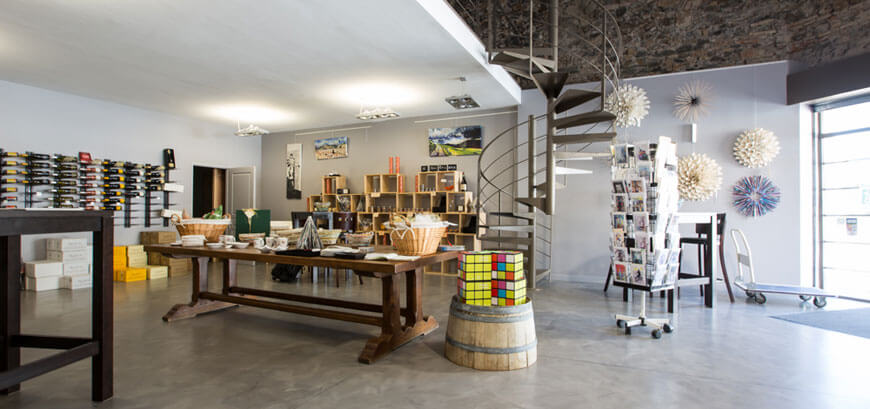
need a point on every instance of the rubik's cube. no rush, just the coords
(508, 282)
(491, 278)
(474, 284)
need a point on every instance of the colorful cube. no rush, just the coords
(491, 278)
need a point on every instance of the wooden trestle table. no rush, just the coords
(393, 332)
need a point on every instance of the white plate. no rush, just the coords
(241, 245)
(214, 245)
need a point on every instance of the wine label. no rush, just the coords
(10, 180)
(64, 158)
(39, 165)
(112, 193)
(11, 155)
(12, 163)
(38, 156)
(113, 178)
(113, 200)
(114, 186)
(9, 189)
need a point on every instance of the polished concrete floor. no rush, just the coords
(735, 356)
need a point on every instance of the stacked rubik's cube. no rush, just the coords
(491, 278)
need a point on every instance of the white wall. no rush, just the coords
(45, 121)
(745, 97)
(369, 152)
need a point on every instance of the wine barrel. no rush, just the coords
(491, 338)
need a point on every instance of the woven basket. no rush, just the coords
(328, 237)
(359, 239)
(417, 241)
(212, 229)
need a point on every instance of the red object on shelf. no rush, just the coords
(85, 157)
(397, 165)
(391, 165)
(417, 183)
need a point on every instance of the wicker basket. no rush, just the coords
(359, 239)
(328, 237)
(212, 229)
(417, 241)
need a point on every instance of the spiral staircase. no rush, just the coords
(520, 170)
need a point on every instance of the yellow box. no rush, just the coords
(131, 274)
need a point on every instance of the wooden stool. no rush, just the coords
(703, 232)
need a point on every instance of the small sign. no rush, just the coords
(451, 166)
(424, 168)
(852, 226)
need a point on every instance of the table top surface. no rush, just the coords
(373, 266)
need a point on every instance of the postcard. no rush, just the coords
(620, 272)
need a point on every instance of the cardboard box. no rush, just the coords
(43, 268)
(135, 249)
(65, 244)
(75, 269)
(76, 282)
(42, 283)
(68, 256)
(177, 266)
(156, 272)
(131, 274)
(157, 237)
(119, 256)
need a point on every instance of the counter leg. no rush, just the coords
(10, 305)
(102, 312)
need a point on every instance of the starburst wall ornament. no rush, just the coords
(693, 101)
(756, 148)
(755, 196)
(699, 177)
(630, 105)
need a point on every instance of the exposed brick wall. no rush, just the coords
(662, 36)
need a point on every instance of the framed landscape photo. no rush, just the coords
(330, 148)
(458, 141)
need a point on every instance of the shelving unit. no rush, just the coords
(384, 183)
(330, 184)
(441, 181)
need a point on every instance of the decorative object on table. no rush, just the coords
(322, 206)
(630, 105)
(458, 141)
(699, 177)
(329, 237)
(755, 196)
(331, 148)
(308, 238)
(253, 223)
(756, 147)
(491, 278)
(293, 161)
(693, 101)
(359, 239)
(211, 229)
(417, 236)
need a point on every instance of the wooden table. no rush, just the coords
(14, 223)
(393, 332)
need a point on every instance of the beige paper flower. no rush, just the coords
(699, 177)
(629, 104)
(756, 148)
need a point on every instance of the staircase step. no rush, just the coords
(580, 155)
(520, 72)
(514, 228)
(543, 186)
(548, 51)
(585, 118)
(572, 98)
(516, 215)
(514, 57)
(541, 273)
(571, 171)
(504, 239)
(537, 202)
(584, 138)
(551, 83)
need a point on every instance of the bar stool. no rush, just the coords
(703, 232)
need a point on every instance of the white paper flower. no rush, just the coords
(629, 104)
(693, 101)
(756, 148)
(699, 177)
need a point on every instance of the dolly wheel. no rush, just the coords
(657, 333)
(760, 298)
(627, 330)
(805, 297)
(750, 294)
(668, 328)
(820, 302)
(620, 323)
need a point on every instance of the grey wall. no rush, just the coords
(50, 122)
(369, 152)
(745, 97)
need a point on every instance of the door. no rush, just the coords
(241, 189)
(844, 199)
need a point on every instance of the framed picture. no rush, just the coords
(458, 141)
(638, 256)
(620, 254)
(330, 148)
(620, 203)
(293, 161)
(618, 186)
(619, 221)
(620, 272)
(618, 238)
(638, 276)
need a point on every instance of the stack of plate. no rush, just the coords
(194, 240)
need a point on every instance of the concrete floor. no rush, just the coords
(735, 356)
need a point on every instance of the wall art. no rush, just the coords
(755, 148)
(330, 148)
(459, 141)
(693, 101)
(293, 161)
(630, 105)
(755, 196)
(699, 177)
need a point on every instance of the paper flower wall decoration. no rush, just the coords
(755, 196)
(756, 148)
(629, 104)
(693, 101)
(699, 177)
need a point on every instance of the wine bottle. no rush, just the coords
(463, 186)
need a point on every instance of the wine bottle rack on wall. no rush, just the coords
(38, 180)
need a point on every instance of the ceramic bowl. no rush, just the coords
(241, 245)
(214, 245)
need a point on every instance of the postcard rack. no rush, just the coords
(644, 239)
(37, 180)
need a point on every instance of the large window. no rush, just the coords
(844, 198)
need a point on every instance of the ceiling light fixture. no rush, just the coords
(250, 130)
(376, 113)
(463, 101)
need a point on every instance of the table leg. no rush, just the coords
(197, 306)
(102, 312)
(710, 266)
(393, 334)
(10, 307)
(229, 275)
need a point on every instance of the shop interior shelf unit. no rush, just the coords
(331, 183)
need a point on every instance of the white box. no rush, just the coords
(65, 244)
(75, 269)
(68, 256)
(173, 187)
(42, 283)
(43, 268)
(76, 282)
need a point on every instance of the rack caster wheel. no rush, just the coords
(820, 302)
(656, 333)
(620, 323)
(627, 330)
(668, 328)
(760, 298)
(804, 297)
